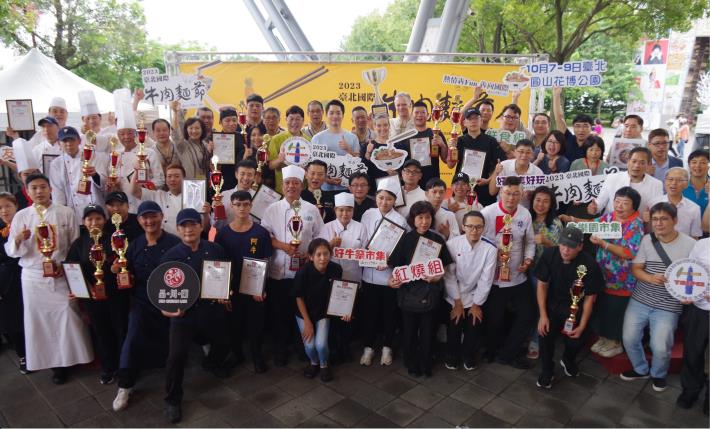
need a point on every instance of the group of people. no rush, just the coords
(507, 260)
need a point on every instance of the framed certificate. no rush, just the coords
(426, 250)
(20, 115)
(420, 149)
(194, 194)
(399, 200)
(216, 277)
(386, 236)
(263, 198)
(342, 298)
(224, 147)
(46, 161)
(473, 161)
(75, 280)
(253, 276)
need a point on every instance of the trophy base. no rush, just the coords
(123, 280)
(453, 154)
(568, 328)
(219, 212)
(504, 273)
(379, 109)
(434, 150)
(49, 269)
(294, 264)
(84, 187)
(141, 175)
(98, 292)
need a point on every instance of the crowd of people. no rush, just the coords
(509, 259)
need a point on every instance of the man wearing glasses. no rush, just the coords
(411, 175)
(659, 142)
(689, 220)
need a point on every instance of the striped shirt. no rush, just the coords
(654, 295)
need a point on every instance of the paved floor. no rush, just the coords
(491, 396)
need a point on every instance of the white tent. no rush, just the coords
(40, 78)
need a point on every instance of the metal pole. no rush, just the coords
(456, 33)
(416, 38)
(301, 38)
(275, 44)
(281, 25)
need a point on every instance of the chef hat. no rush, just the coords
(24, 158)
(58, 102)
(293, 171)
(125, 118)
(344, 199)
(87, 103)
(389, 184)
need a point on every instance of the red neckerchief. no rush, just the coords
(499, 219)
(27, 196)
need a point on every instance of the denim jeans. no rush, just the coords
(317, 346)
(662, 326)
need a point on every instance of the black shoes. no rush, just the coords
(632, 375)
(544, 381)
(106, 378)
(259, 366)
(173, 413)
(570, 367)
(311, 371)
(659, 384)
(326, 374)
(23, 367)
(518, 362)
(59, 375)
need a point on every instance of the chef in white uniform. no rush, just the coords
(170, 201)
(56, 336)
(346, 233)
(50, 144)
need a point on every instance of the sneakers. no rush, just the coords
(544, 381)
(632, 375)
(451, 366)
(173, 413)
(659, 384)
(366, 358)
(326, 374)
(386, 356)
(311, 370)
(106, 378)
(599, 345)
(23, 367)
(469, 366)
(569, 367)
(533, 350)
(121, 401)
(611, 349)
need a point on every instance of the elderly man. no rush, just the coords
(675, 183)
(315, 116)
(404, 120)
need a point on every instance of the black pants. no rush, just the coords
(280, 304)
(109, 323)
(519, 300)
(208, 320)
(339, 335)
(695, 328)
(378, 302)
(557, 317)
(17, 339)
(418, 338)
(247, 321)
(455, 350)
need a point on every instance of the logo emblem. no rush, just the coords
(174, 277)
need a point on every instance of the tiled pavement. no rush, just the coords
(491, 396)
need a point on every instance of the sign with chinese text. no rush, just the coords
(339, 166)
(687, 280)
(569, 74)
(493, 88)
(160, 88)
(410, 273)
(605, 230)
(173, 286)
(578, 186)
(364, 257)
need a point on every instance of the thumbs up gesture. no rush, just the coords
(22, 235)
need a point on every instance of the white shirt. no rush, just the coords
(398, 127)
(169, 202)
(371, 219)
(689, 219)
(46, 148)
(441, 217)
(649, 188)
(470, 276)
(64, 176)
(509, 170)
(523, 240)
(276, 222)
(126, 167)
(700, 252)
(463, 209)
(411, 197)
(353, 237)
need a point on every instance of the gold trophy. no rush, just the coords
(216, 180)
(46, 241)
(87, 154)
(471, 196)
(262, 157)
(142, 170)
(375, 77)
(318, 194)
(113, 167)
(97, 257)
(295, 227)
(504, 246)
(577, 294)
(119, 244)
(436, 113)
(455, 120)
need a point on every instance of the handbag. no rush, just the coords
(419, 296)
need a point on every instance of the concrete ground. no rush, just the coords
(491, 396)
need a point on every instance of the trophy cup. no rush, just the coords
(436, 113)
(46, 242)
(295, 226)
(471, 196)
(262, 157)
(113, 167)
(119, 244)
(318, 194)
(87, 154)
(455, 120)
(97, 257)
(142, 170)
(577, 294)
(242, 118)
(506, 243)
(216, 180)
(375, 77)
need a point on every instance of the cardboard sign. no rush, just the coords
(410, 273)
(493, 88)
(160, 88)
(687, 280)
(578, 186)
(364, 257)
(605, 230)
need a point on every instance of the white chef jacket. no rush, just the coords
(371, 219)
(523, 239)
(441, 217)
(701, 252)
(353, 237)
(56, 334)
(470, 276)
(649, 188)
(170, 203)
(689, 220)
(411, 197)
(276, 222)
(126, 167)
(46, 148)
(64, 176)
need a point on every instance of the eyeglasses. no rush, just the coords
(512, 118)
(474, 227)
(676, 179)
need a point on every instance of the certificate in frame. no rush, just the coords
(194, 194)
(224, 147)
(253, 276)
(20, 115)
(263, 198)
(46, 161)
(216, 279)
(342, 298)
(75, 280)
(386, 236)
(426, 250)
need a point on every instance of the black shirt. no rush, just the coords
(130, 227)
(560, 276)
(143, 259)
(429, 171)
(314, 288)
(360, 209)
(327, 202)
(253, 243)
(404, 251)
(572, 149)
(79, 252)
(494, 154)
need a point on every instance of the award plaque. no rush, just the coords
(46, 162)
(75, 280)
(342, 298)
(386, 236)
(20, 115)
(216, 277)
(253, 276)
(426, 250)
(577, 293)
(173, 286)
(194, 194)
(263, 198)
(224, 147)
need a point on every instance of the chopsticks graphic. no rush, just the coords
(320, 71)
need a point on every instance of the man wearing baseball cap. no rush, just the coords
(49, 144)
(230, 124)
(206, 318)
(458, 203)
(411, 174)
(117, 202)
(557, 270)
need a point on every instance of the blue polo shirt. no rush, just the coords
(699, 198)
